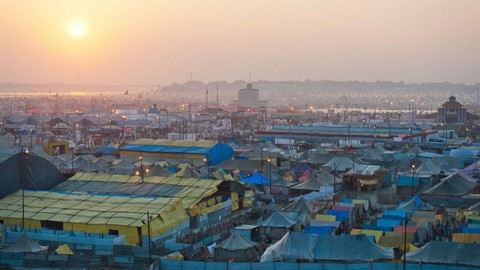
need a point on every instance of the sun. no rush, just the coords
(76, 29)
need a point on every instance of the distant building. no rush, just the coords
(452, 112)
(249, 97)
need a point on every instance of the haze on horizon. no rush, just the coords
(159, 42)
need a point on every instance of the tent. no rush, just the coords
(414, 151)
(379, 149)
(256, 179)
(457, 184)
(121, 166)
(25, 244)
(327, 179)
(415, 204)
(63, 250)
(301, 169)
(236, 247)
(371, 155)
(277, 220)
(427, 167)
(360, 169)
(246, 165)
(339, 163)
(321, 156)
(447, 253)
(311, 184)
(310, 247)
(301, 205)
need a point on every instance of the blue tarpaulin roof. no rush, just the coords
(340, 215)
(215, 152)
(321, 230)
(257, 179)
(388, 223)
(105, 149)
(398, 214)
(415, 204)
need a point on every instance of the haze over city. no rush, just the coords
(161, 42)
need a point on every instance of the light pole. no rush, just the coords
(270, 173)
(405, 244)
(141, 166)
(123, 130)
(24, 185)
(413, 177)
(208, 167)
(149, 218)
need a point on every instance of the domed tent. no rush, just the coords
(236, 247)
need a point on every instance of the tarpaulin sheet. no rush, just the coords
(388, 223)
(340, 215)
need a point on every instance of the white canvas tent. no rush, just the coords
(26, 245)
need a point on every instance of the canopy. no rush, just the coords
(294, 246)
(25, 244)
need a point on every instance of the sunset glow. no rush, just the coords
(76, 29)
(158, 42)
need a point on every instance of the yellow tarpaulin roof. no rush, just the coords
(172, 180)
(192, 190)
(466, 237)
(325, 217)
(90, 209)
(376, 234)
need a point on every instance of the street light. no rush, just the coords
(141, 166)
(270, 173)
(24, 184)
(413, 177)
(123, 131)
(208, 167)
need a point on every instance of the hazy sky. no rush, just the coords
(159, 42)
